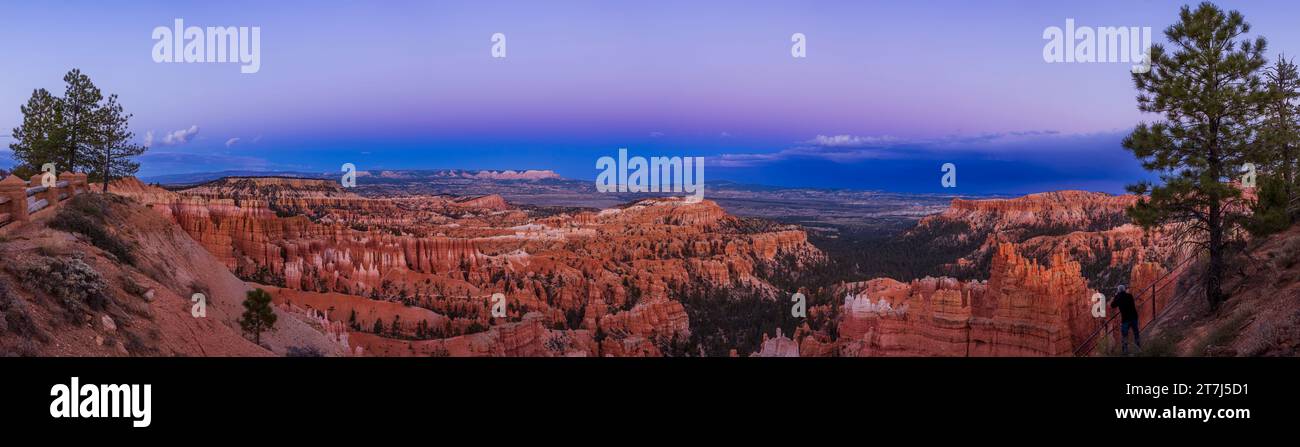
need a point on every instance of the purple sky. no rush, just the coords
(893, 88)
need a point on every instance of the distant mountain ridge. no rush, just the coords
(396, 174)
(818, 207)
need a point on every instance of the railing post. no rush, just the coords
(81, 181)
(50, 194)
(1105, 330)
(71, 178)
(16, 190)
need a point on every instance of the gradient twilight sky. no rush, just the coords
(893, 88)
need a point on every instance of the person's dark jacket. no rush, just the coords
(1127, 310)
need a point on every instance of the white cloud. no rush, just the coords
(175, 138)
(232, 142)
(853, 148)
(835, 154)
(851, 141)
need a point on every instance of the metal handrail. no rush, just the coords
(1086, 347)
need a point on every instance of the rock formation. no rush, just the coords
(69, 296)
(418, 274)
(611, 271)
(1023, 309)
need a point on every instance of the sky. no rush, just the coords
(887, 93)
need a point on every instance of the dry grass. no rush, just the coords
(1162, 345)
(1216, 341)
(85, 214)
(1270, 336)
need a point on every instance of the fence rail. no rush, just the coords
(21, 199)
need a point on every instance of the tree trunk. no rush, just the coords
(1214, 222)
(72, 139)
(1288, 173)
(1214, 275)
(107, 162)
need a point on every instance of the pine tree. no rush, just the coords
(110, 152)
(79, 131)
(41, 137)
(1269, 213)
(258, 314)
(81, 113)
(1208, 91)
(1276, 152)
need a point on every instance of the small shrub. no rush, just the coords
(89, 205)
(1164, 345)
(49, 252)
(1215, 341)
(1289, 253)
(196, 287)
(16, 318)
(20, 348)
(303, 351)
(440, 351)
(70, 281)
(131, 286)
(1261, 340)
(135, 344)
(557, 343)
(85, 215)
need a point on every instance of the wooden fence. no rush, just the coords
(20, 200)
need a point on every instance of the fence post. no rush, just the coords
(71, 178)
(1153, 299)
(1105, 329)
(16, 190)
(81, 182)
(50, 194)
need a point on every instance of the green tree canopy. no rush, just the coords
(1207, 90)
(80, 131)
(1275, 151)
(258, 315)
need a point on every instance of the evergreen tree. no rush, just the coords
(41, 136)
(81, 115)
(1208, 92)
(258, 314)
(109, 153)
(79, 131)
(1269, 213)
(1276, 152)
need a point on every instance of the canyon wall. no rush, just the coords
(610, 273)
(613, 281)
(1023, 309)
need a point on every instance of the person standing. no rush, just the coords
(1128, 316)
